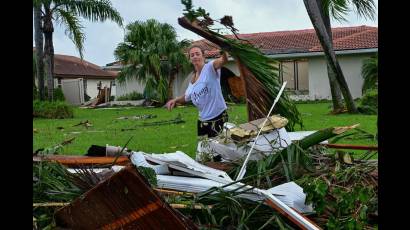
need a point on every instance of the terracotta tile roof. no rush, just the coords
(302, 41)
(363, 40)
(70, 66)
(74, 66)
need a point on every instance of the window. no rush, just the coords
(295, 72)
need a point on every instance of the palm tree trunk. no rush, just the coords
(171, 84)
(318, 23)
(337, 100)
(49, 53)
(38, 35)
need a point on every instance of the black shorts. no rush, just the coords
(214, 126)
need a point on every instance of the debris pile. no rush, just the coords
(291, 181)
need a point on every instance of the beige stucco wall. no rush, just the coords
(351, 66)
(127, 87)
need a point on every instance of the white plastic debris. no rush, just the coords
(138, 159)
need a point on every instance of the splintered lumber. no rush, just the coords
(123, 201)
(274, 122)
(82, 160)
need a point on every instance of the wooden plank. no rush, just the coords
(70, 160)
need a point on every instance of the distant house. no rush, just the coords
(70, 67)
(301, 59)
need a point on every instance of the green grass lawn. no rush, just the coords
(106, 128)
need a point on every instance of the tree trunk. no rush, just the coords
(49, 53)
(171, 84)
(337, 99)
(321, 32)
(38, 34)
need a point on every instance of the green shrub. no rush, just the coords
(131, 96)
(55, 109)
(369, 102)
(58, 94)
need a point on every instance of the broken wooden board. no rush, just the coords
(274, 122)
(123, 201)
(250, 129)
(73, 161)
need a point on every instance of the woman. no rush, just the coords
(204, 90)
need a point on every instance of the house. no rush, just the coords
(69, 67)
(301, 60)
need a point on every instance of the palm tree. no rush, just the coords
(337, 100)
(38, 59)
(370, 73)
(319, 11)
(152, 55)
(67, 13)
(35, 93)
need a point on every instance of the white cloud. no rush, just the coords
(249, 16)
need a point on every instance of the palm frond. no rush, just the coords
(264, 86)
(150, 90)
(93, 10)
(74, 29)
(336, 8)
(365, 8)
(162, 89)
(370, 73)
(51, 183)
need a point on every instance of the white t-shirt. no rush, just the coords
(206, 93)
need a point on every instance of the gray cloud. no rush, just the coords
(248, 16)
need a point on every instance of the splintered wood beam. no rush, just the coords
(82, 160)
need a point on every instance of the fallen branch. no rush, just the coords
(177, 120)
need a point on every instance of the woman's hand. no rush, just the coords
(171, 104)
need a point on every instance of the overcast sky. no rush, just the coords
(249, 16)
